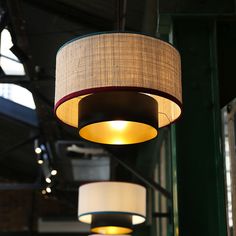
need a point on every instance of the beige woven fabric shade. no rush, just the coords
(118, 61)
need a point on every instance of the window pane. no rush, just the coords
(9, 62)
(17, 94)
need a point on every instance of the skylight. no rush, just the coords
(8, 61)
(11, 65)
(17, 94)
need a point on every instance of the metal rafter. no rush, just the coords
(18, 29)
(17, 145)
(73, 14)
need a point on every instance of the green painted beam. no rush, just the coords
(200, 162)
(175, 213)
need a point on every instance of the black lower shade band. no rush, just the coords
(119, 220)
(118, 105)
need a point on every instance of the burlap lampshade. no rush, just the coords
(119, 62)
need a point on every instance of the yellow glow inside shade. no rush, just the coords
(118, 125)
(118, 132)
(111, 230)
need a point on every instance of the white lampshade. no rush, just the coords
(112, 197)
(105, 235)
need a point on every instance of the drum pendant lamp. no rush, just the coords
(118, 88)
(112, 207)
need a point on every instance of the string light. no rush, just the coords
(48, 180)
(38, 150)
(40, 161)
(54, 172)
(48, 190)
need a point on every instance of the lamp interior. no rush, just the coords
(119, 117)
(112, 223)
(111, 230)
(118, 132)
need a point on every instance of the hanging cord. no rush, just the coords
(158, 18)
(121, 15)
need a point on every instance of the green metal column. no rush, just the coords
(200, 162)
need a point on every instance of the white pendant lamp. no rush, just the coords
(112, 207)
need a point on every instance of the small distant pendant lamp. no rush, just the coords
(112, 207)
(104, 235)
(118, 88)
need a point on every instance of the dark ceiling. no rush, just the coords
(38, 29)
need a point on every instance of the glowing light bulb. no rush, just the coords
(38, 150)
(48, 180)
(44, 191)
(118, 125)
(40, 162)
(53, 172)
(48, 189)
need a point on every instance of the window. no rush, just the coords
(17, 94)
(229, 131)
(10, 64)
